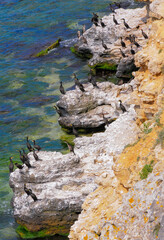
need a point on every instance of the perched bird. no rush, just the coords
(35, 156)
(77, 83)
(102, 23)
(28, 145)
(83, 29)
(111, 8)
(36, 146)
(74, 131)
(92, 80)
(19, 165)
(78, 34)
(95, 18)
(21, 156)
(34, 197)
(61, 88)
(122, 43)
(144, 34)
(61, 111)
(136, 43)
(27, 163)
(71, 147)
(122, 107)
(25, 156)
(114, 20)
(11, 165)
(122, 53)
(95, 23)
(132, 51)
(104, 45)
(95, 15)
(125, 24)
(27, 190)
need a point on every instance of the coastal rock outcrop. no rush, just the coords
(62, 182)
(109, 59)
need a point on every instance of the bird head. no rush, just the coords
(11, 158)
(120, 101)
(122, 18)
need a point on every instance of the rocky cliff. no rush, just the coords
(124, 206)
(105, 170)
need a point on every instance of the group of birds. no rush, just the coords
(97, 23)
(25, 160)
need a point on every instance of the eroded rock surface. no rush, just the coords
(61, 182)
(110, 35)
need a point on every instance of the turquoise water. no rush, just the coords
(29, 86)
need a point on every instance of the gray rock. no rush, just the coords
(111, 37)
(61, 182)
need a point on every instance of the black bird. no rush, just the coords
(104, 45)
(77, 83)
(28, 191)
(36, 146)
(122, 107)
(122, 43)
(125, 24)
(111, 8)
(132, 51)
(28, 145)
(36, 156)
(95, 23)
(92, 80)
(27, 163)
(19, 165)
(61, 88)
(95, 18)
(95, 15)
(122, 53)
(136, 43)
(74, 131)
(71, 147)
(114, 20)
(11, 165)
(61, 111)
(25, 156)
(21, 156)
(144, 34)
(102, 23)
(34, 197)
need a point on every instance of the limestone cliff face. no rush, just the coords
(124, 206)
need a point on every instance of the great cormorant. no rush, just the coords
(125, 24)
(122, 43)
(114, 20)
(122, 107)
(61, 88)
(36, 146)
(11, 165)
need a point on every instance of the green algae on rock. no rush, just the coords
(46, 51)
(104, 66)
(81, 54)
(24, 233)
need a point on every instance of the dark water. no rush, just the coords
(29, 86)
